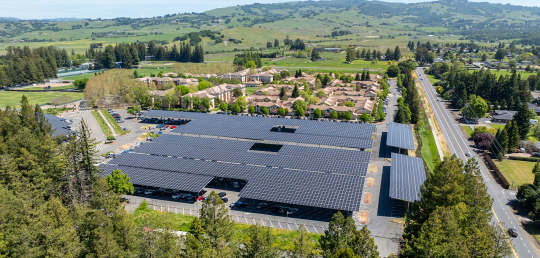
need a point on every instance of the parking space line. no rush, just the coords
(279, 224)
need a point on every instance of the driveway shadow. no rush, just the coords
(384, 150)
(385, 202)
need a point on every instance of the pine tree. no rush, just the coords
(303, 246)
(397, 53)
(295, 92)
(259, 243)
(521, 118)
(215, 219)
(357, 77)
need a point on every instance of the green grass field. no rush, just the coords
(13, 98)
(524, 75)
(468, 130)
(432, 79)
(516, 172)
(80, 76)
(497, 127)
(71, 86)
(179, 222)
(429, 151)
(102, 124)
(116, 127)
(335, 60)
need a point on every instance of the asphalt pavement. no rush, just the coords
(458, 145)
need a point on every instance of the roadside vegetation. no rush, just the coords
(116, 127)
(102, 124)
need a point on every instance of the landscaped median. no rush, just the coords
(102, 124)
(115, 126)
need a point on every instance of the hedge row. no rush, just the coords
(497, 172)
(525, 158)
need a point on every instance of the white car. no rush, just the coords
(468, 154)
(148, 191)
(235, 184)
(176, 196)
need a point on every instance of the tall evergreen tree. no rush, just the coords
(521, 118)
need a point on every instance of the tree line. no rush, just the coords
(31, 66)
(409, 109)
(369, 55)
(131, 54)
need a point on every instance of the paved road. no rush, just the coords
(458, 145)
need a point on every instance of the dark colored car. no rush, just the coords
(513, 232)
(225, 200)
(222, 194)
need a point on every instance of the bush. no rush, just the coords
(483, 140)
(525, 158)
(498, 173)
(110, 138)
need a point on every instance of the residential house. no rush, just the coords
(503, 116)
(263, 77)
(222, 92)
(253, 84)
(535, 107)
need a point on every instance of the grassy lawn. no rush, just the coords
(102, 124)
(468, 130)
(251, 90)
(179, 222)
(429, 151)
(333, 60)
(116, 127)
(516, 172)
(497, 127)
(13, 98)
(55, 88)
(534, 230)
(432, 78)
(524, 75)
(80, 76)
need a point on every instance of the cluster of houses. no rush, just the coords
(362, 94)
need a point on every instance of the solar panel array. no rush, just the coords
(180, 140)
(162, 179)
(328, 195)
(400, 136)
(57, 124)
(256, 158)
(310, 132)
(406, 175)
(323, 190)
(325, 153)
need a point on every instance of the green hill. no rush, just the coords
(370, 23)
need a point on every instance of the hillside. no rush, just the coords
(370, 23)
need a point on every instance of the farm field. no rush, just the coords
(13, 99)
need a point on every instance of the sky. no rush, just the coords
(106, 9)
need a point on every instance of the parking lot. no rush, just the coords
(277, 215)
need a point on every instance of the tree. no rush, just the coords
(500, 55)
(134, 110)
(364, 117)
(242, 103)
(317, 113)
(321, 94)
(535, 131)
(402, 114)
(295, 92)
(397, 53)
(236, 108)
(276, 43)
(315, 55)
(170, 98)
(476, 108)
(80, 83)
(281, 111)
(483, 140)
(259, 243)
(333, 114)
(251, 109)
(206, 102)
(522, 120)
(119, 182)
(392, 71)
(264, 110)
(215, 220)
(347, 115)
(484, 57)
(237, 92)
(268, 44)
(303, 246)
(282, 93)
(223, 106)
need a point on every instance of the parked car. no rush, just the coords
(148, 191)
(235, 184)
(110, 155)
(222, 194)
(225, 200)
(262, 205)
(119, 120)
(200, 198)
(513, 232)
(172, 127)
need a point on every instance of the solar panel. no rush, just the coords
(325, 153)
(326, 195)
(256, 158)
(400, 136)
(162, 179)
(406, 175)
(256, 128)
(58, 125)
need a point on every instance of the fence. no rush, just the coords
(278, 222)
(498, 173)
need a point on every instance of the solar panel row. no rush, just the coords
(58, 124)
(256, 158)
(400, 136)
(162, 179)
(328, 195)
(406, 175)
(289, 150)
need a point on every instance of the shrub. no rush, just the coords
(483, 140)
(525, 158)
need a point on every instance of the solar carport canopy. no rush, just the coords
(162, 179)
(58, 124)
(351, 135)
(400, 136)
(407, 174)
